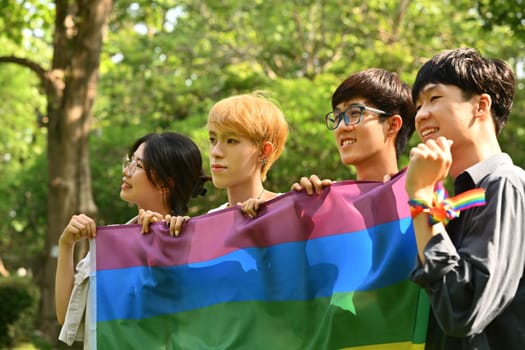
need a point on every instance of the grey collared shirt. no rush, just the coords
(473, 273)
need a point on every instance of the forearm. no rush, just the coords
(64, 279)
(423, 233)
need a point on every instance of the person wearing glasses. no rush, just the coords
(472, 267)
(160, 173)
(372, 120)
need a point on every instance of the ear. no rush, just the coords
(266, 150)
(484, 106)
(394, 124)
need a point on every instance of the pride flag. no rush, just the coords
(310, 272)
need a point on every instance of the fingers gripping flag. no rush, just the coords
(309, 272)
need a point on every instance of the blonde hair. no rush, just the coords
(254, 116)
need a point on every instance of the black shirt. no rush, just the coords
(474, 274)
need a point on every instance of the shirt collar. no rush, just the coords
(473, 175)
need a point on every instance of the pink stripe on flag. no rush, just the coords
(204, 237)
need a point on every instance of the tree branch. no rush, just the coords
(52, 81)
(25, 62)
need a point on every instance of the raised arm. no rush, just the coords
(79, 227)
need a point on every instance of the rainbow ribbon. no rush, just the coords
(444, 208)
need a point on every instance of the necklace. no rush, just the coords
(258, 197)
(260, 194)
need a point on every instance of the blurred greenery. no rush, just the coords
(17, 310)
(165, 63)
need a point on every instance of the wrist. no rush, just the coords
(424, 194)
(441, 208)
(66, 241)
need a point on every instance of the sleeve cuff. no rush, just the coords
(440, 257)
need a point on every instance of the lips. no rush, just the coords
(218, 167)
(125, 185)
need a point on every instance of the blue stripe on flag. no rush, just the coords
(363, 260)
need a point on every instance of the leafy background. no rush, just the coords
(164, 64)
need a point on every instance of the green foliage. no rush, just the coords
(163, 66)
(310, 148)
(22, 168)
(28, 24)
(17, 310)
(503, 12)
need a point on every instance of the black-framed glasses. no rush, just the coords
(352, 115)
(129, 165)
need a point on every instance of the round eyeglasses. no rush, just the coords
(352, 115)
(130, 165)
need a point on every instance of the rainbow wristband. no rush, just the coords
(444, 209)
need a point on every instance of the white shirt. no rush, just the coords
(75, 323)
(78, 314)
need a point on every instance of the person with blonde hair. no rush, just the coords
(247, 134)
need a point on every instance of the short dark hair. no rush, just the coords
(173, 161)
(474, 75)
(386, 91)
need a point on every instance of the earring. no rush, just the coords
(264, 161)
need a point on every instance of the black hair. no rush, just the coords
(384, 90)
(474, 75)
(173, 161)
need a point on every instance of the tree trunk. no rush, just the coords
(70, 86)
(79, 30)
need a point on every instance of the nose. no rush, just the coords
(216, 150)
(422, 113)
(125, 171)
(342, 127)
(128, 168)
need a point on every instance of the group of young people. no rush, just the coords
(471, 267)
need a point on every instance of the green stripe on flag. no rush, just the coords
(386, 316)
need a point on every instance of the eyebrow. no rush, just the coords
(428, 88)
(346, 106)
(225, 134)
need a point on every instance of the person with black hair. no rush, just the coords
(470, 265)
(372, 119)
(161, 172)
